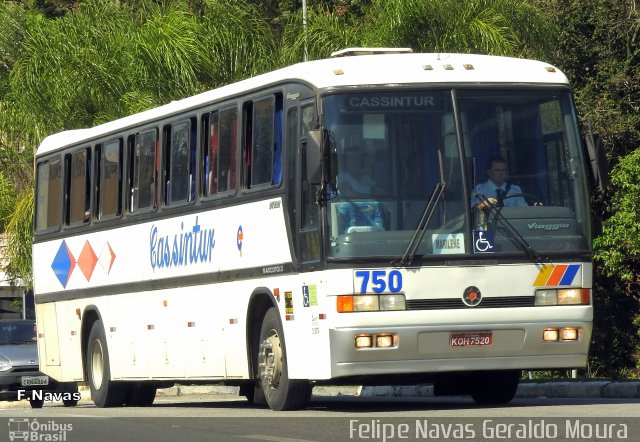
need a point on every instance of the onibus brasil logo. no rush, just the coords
(33, 430)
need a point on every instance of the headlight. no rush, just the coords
(392, 302)
(563, 297)
(370, 303)
(547, 297)
(569, 297)
(365, 303)
(5, 366)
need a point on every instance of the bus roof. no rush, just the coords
(372, 69)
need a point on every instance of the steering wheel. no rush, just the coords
(537, 201)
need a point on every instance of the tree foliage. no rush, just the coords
(598, 47)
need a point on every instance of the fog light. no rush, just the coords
(550, 335)
(569, 334)
(384, 341)
(363, 341)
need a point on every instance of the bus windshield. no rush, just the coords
(516, 149)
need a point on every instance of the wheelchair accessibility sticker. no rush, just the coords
(483, 241)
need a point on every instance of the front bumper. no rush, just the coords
(427, 349)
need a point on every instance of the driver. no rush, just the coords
(496, 190)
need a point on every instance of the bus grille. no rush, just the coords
(453, 303)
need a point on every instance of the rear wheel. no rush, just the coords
(280, 392)
(104, 391)
(495, 387)
(140, 395)
(70, 402)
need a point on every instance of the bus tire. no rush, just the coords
(495, 387)
(104, 391)
(140, 395)
(70, 402)
(36, 403)
(254, 394)
(280, 392)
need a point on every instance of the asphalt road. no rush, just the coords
(226, 417)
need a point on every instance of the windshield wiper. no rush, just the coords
(515, 237)
(410, 254)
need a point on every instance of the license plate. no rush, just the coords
(29, 381)
(470, 339)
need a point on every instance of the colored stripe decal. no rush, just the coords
(543, 276)
(556, 276)
(567, 279)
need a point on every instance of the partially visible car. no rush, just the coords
(20, 377)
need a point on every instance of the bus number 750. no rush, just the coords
(380, 281)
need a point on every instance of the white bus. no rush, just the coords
(320, 224)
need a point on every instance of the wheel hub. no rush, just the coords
(270, 360)
(97, 365)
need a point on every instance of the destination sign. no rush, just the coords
(379, 102)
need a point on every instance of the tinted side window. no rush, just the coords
(77, 195)
(110, 179)
(223, 130)
(263, 133)
(143, 170)
(48, 188)
(262, 149)
(180, 156)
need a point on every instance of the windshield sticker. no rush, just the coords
(446, 244)
(483, 241)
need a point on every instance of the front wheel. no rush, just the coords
(495, 387)
(36, 403)
(280, 392)
(104, 391)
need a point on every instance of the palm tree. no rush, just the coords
(107, 60)
(497, 27)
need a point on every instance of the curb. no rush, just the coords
(577, 389)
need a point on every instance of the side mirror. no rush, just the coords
(313, 156)
(598, 161)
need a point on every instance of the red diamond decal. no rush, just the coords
(87, 260)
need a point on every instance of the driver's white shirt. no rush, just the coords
(488, 190)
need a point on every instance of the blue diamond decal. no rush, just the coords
(63, 264)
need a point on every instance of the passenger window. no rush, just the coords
(48, 193)
(78, 183)
(221, 165)
(262, 149)
(143, 172)
(179, 155)
(110, 179)
(263, 141)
